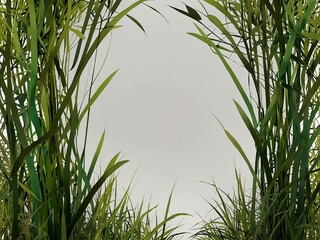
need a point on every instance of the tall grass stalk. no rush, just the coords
(46, 192)
(277, 42)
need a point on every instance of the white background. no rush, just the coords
(158, 111)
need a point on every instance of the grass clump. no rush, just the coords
(277, 42)
(46, 191)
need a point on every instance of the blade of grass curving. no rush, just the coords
(242, 153)
(203, 37)
(136, 22)
(96, 95)
(234, 45)
(167, 211)
(155, 10)
(163, 224)
(111, 168)
(27, 190)
(257, 141)
(96, 155)
(239, 148)
(166, 218)
(25, 153)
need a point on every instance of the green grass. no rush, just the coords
(46, 191)
(277, 43)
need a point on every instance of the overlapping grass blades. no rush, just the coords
(45, 190)
(277, 42)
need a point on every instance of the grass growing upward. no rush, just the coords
(277, 42)
(45, 190)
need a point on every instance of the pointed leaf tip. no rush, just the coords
(193, 13)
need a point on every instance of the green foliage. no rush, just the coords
(46, 192)
(277, 42)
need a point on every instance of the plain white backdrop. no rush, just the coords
(158, 111)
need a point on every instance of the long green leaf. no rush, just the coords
(111, 168)
(203, 37)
